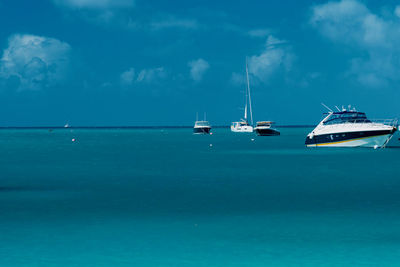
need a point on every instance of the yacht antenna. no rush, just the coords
(327, 107)
(204, 116)
(248, 88)
(197, 116)
(337, 108)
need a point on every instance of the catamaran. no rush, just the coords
(350, 128)
(243, 126)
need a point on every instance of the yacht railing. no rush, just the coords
(377, 122)
(388, 122)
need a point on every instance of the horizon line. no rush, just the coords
(134, 127)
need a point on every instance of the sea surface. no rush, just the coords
(166, 197)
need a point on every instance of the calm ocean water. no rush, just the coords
(157, 197)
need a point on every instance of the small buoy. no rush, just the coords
(73, 139)
(211, 133)
(210, 145)
(252, 139)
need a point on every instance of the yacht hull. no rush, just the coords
(266, 131)
(377, 138)
(202, 130)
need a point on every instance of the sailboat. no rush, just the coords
(243, 126)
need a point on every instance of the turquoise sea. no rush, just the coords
(165, 197)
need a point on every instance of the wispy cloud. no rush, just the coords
(260, 33)
(99, 12)
(174, 22)
(351, 23)
(127, 77)
(125, 14)
(198, 68)
(151, 75)
(33, 62)
(95, 4)
(144, 76)
(276, 56)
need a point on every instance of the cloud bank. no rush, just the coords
(351, 23)
(33, 62)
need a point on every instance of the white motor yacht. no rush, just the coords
(350, 128)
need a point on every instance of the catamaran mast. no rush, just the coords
(248, 89)
(245, 107)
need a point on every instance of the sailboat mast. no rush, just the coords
(248, 89)
(245, 107)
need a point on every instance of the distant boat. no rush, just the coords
(350, 128)
(264, 128)
(66, 125)
(243, 126)
(201, 127)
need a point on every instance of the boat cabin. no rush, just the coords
(202, 124)
(240, 123)
(346, 117)
(265, 123)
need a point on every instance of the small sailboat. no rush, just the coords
(66, 125)
(201, 127)
(243, 126)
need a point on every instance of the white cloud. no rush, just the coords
(35, 61)
(145, 76)
(351, 23)
(397, 11)
(95, 4)
(198, 68)
(128, 77)
(276, 56)
(151, 75)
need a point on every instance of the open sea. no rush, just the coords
(166, 197)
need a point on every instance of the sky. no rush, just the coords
(142, 63)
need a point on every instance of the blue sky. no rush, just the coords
(136, 62)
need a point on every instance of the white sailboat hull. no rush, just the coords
(242, 129)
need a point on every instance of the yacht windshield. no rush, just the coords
(347, 117)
